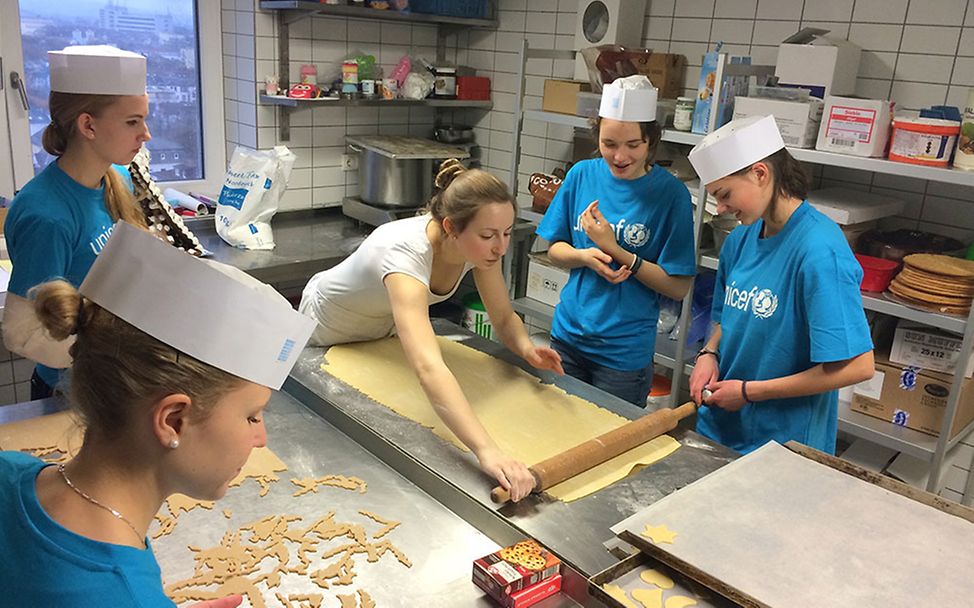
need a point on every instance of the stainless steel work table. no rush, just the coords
(306, 242)
(574, 531)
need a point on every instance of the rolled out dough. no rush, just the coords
(529, 420)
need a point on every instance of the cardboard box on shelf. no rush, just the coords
(560, 95)
(915, 399)
(811, 60)
(798, 121)
(845, 206)
(850, 125)
(545, 280)
(666, 71)
(927, 347)
(731, 87)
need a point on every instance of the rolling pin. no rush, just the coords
(591, 453)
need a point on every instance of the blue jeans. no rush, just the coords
(632, 386)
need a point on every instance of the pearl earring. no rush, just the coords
(174, 444)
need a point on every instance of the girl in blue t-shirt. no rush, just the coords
(789, 324)
(61, 219)
(624, 227)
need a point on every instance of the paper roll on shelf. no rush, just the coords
(185, 201)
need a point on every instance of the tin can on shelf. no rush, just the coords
(445, 85)
(683, 116)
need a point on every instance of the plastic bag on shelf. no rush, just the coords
(252, 188)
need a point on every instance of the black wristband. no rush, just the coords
(707, 351)
(744, 391)
(637, 262)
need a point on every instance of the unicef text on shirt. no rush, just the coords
(763, 302)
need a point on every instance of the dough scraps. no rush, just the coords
(227, 513)
(365, 600)
(529, 420)
(255, 558)
(659, 534)
(655, 577)
(650, 598)
(618, 594)
(680, 601)
(387, 525)
(310, 484)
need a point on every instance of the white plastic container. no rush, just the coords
(923, 141)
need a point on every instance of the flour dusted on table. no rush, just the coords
(254, 183)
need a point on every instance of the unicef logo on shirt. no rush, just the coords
(636, 235)
(764, 304)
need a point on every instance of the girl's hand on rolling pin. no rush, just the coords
(598, 228)
(599, 261)
(727, 395)
(705, 372)
(542, 357)
(512, 475)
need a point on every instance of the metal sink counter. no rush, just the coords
(307, 242)
(575, 531)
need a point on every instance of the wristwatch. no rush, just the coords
(707, 351)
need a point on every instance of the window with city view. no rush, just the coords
(165, 31)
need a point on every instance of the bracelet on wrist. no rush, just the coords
(707, 351)
(744, 391)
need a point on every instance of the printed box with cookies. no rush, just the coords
(506, 572)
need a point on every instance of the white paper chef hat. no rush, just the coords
(738, 144)
(214, 313)
(632, 99)
(97, 70)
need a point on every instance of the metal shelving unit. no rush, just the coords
(296, 10)
(291, 11)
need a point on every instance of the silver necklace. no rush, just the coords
(60, 469)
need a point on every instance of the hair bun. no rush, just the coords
(449, 170)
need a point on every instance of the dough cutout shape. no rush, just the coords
(659, 534)
(619, 594)
(649, 598)
(657, 578)
(680, 601)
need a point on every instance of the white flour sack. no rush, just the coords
(251, 190)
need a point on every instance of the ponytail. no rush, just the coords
(119, 201)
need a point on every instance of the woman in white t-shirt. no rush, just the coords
(388, 284)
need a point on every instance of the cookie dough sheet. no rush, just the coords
(529, 420)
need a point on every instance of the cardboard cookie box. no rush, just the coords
(519, 575)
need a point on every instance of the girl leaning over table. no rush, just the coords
(169, 405)
(789, 324)
(388, 284)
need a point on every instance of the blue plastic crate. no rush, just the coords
(424, 6)
(473, 9)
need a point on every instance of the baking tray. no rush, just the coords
(625, 574)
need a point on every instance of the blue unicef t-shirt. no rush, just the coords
(45, 564)
(615, 325)
(785, 304)
(55, 229)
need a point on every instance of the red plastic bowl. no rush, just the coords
(876, 272)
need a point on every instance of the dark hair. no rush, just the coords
(462, 192)
(118, 369)
(650, 131)
(65, 108)
(788, 175)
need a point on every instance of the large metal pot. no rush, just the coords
(398, 171)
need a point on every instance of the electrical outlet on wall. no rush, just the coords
(349, 162)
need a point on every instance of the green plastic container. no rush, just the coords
(475, 316)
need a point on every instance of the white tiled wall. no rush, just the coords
(15, 375)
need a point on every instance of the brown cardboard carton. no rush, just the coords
(666, 71)
(560, 95)
(914, 398)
